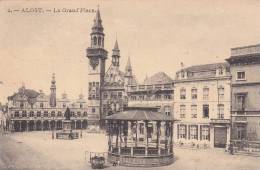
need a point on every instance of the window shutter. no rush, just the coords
(209, 132)
(188, 131)
(178, 126)
(197, 132)
(201, 132)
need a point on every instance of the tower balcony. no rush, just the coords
(96, 52)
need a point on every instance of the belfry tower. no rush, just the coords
(97, 56)
(53, 91)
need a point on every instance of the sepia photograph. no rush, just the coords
(129, 85)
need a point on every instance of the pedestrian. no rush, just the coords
(231, 148)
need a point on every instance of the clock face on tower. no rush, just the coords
(94, 62)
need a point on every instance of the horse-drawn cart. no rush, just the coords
(97, 160)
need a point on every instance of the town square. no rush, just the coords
(61, 154)
(130, 88)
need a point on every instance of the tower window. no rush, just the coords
(95, 40)
(99, 41)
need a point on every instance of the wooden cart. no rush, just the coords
(97, 160)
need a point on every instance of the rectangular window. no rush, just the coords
(205, 93)
(241, 75)
(133, 98)
(193, 111)
(157, 97)
(167, 110)
(141, 97)
(221, 111)
(194, 93)
(182, 131)
(120, 95)
(182, 111)
(193, 132)
(167, 97)
(204, 132)
(105, 95)
(221, 93)
(93, 110)
(240, 102)
(45, 114)
(205, 111)
(16, 114)
(241, 132)
(182, 94)
(141, 128)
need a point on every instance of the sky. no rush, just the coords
(156, 35)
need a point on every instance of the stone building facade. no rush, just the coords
(202, 105)
(245, 110)
(30, 110)
(156, 91)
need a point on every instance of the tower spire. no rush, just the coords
(97, 35)
(97, 27)
(128, 68)
(53, 91)
(116, 55)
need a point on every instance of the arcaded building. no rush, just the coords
(31, 110)
(245, 111)
(202, 105)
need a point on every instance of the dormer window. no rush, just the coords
(220, 71)
(182, 74)
(21, 105)
(241, 75)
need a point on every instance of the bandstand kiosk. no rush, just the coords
(140, 137)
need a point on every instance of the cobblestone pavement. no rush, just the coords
(38, 151)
